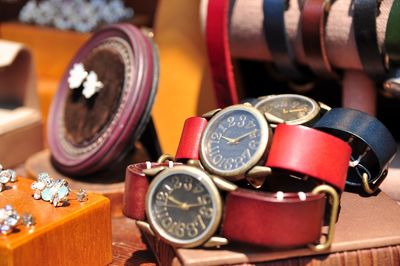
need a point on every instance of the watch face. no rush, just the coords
(235, 140)
(183, 206)
(292, 109)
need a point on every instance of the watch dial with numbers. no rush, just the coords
(292, 109)
(235, 140)
(183, 206)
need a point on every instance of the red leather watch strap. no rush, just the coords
(310, 152)
(261, 218)
(136, 186)
(313, 18)
(219, 54)
(189, 144)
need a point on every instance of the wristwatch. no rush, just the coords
(373, 146)
(230, 144)
(186, 207)
(291, 109)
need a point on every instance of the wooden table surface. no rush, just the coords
(128, 246)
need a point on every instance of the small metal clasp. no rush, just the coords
(334, 198)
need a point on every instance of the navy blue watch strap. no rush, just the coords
(364, 25)
(278, 44)
(373, 146)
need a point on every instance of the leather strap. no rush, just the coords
(278, 44)
(247, 214)
(313, 19)
(136, 186)
(364, 24)
(392, 36)
(219, 53)
(310, 152)
(367, 131)
(189, 144)
(260, 218)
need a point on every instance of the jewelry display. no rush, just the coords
(55, 191)
(79, 15)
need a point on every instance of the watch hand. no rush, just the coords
(297, 110)
(194, 205)
(229, 140)
(171, 198)
(242, 137)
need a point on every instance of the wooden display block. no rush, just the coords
(367, 233)
(76, 234)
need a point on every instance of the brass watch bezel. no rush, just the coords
(207, 181)
(265, 136)
(300, 121)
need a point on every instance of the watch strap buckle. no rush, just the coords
(334, 199)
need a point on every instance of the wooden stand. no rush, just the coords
(76, 234)
(368, 225)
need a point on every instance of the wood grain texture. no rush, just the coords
(76, 234)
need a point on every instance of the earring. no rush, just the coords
(55, 191)
(6, 176)
(9, 219)
(91, 84)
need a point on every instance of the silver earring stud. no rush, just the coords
(6, 176)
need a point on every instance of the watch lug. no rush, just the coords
(195, 163)
(216, 241)
(256, 182)
(145, 227)
(223, 184)
(248, 104)
(211, 113)
(274, 119)
(154, 171)
(324, 107)
(259, 172)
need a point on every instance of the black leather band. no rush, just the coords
(364, 25)
(366, 131)
(278, 44)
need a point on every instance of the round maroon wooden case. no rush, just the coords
(125, 122)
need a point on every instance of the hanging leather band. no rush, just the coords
(392, 36)
(368, 138)
(364, 24)
(297, 218)
(313, 19)
(217, 38)
(310, 152)
(189, 144)
(278, 44)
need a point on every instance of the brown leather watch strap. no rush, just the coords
(263, 219)
(313, 19)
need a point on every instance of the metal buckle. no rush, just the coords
(334, 199)
(365, 177)
(165, 157)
